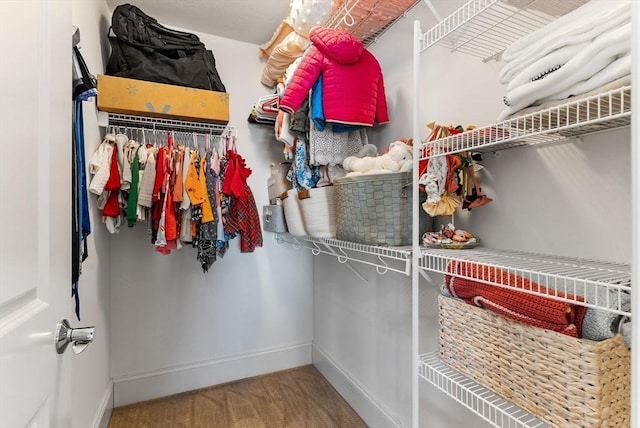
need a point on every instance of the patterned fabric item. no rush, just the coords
(330, 148)
(245, 220)
(530, 309)
(207, 232)
(222, 208)
(302, 175)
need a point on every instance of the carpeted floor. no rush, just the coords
(295, 398)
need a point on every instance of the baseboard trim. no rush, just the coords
(173, 380)
(358, 398)
(101, 419)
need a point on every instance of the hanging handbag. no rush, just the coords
(273, 219)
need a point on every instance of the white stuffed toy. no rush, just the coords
(306, 14)
(397, 159)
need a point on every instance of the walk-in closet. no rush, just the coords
(388, 214)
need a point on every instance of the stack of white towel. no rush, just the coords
(575, 54)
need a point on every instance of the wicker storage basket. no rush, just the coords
(564, 381)
(376, 209)
(318, 211)
(293, 214)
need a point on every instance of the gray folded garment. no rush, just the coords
(600, 324)
(625, 329)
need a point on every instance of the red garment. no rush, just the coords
(453, 163)
(158, 189)
(235, 179)
(161, 169)
(113, 183)
(244, 219)
(530, 309)
(170, 219)
(112, 206)
(353, 87)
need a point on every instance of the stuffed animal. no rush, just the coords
(397, 159)
(305, 14)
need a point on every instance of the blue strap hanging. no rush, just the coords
(83, 89)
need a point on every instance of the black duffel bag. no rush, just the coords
(143, 49)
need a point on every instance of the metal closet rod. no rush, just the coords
(192, 139)
(159, 124)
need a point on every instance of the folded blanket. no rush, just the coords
(604, 50)
(542, 66)
(618, 69)
(581, 25)
(616, 84)
(530, 309)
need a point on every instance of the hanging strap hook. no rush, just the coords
(317, 250)
(344, 258)
(382, 269)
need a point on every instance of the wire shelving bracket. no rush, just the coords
(396, 259)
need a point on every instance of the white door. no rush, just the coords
(35, 211)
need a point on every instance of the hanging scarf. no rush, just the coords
(83, 88)
(80, 206)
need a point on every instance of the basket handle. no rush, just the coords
(304, 194)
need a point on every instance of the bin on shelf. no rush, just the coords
(376, 209)
(318, 211)
(565, 381)
(142, 98)
(293, 213)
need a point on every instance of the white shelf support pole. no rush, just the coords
(415, 278)
(635, 212)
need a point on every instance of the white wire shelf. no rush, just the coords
(484, 28)
(396, 259)
(368, 20)
(608, 110)
(604, 285)
(482, 401)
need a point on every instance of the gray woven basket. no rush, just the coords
(375, 209)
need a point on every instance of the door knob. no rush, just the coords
(79, 337)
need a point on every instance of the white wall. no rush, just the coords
(569, 199)
(175, 328)
(92, 387)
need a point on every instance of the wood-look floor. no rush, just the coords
(295, 398)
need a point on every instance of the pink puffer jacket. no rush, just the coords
(353, 88)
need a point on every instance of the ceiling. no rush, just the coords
(251, 21)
